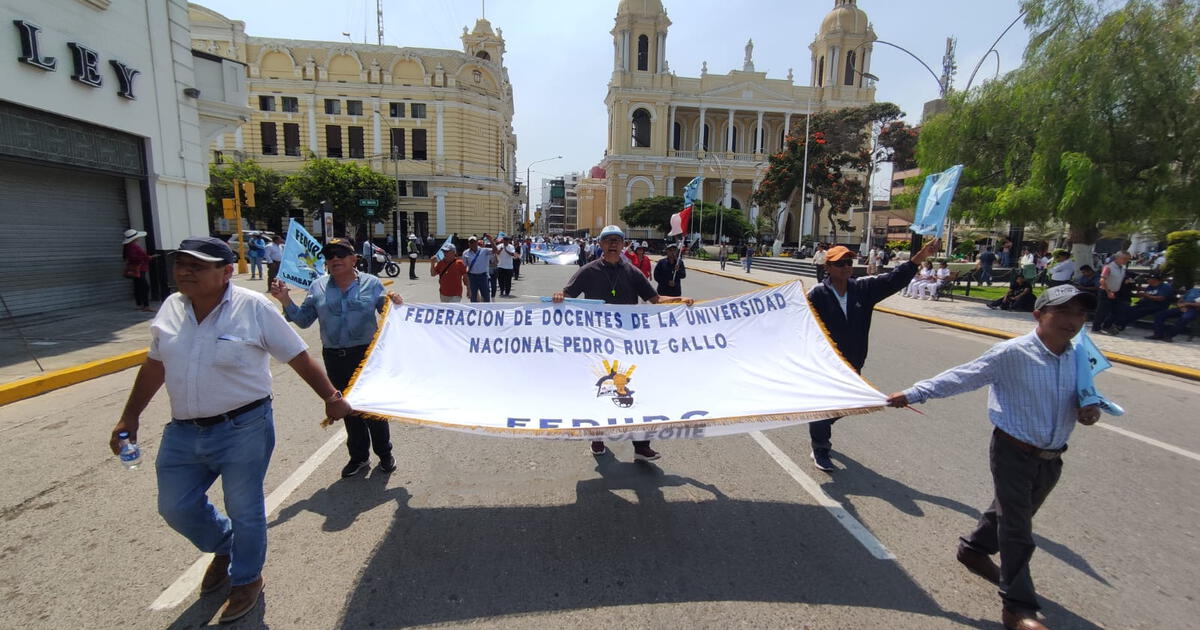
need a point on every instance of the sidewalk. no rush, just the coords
(1180, 353)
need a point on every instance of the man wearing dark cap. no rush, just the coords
(1034, 406)
(1156, 297)
(844, 305)
(211, 345)
(669, 271)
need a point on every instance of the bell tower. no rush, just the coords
(841, 53)
(640, 38)
(483, 43)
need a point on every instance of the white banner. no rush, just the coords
(573, 371)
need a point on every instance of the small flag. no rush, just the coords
(302, 260)
(1089, 362)
(934, 202)
(681, 219)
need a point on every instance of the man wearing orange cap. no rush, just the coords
(845, 304)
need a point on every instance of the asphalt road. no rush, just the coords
(493, 532)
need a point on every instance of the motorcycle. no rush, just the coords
(383, 262)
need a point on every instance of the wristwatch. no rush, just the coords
(337, 395)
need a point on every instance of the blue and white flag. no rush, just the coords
(302, 260)
(440, 253)
(1089, 362)
(934, 202)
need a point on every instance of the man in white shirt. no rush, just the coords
(274, 258)
(505, 255)
(1063, 269)
(211, 345)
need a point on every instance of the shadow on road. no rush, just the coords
(342, 502)
(453, 564)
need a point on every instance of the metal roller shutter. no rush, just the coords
(60, 237)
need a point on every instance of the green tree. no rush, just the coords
(655, 213)
(1097, 126)
(341, 185)
(272, 204)
(1183, 257)
(844, 147)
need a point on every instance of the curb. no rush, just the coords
(1145, 364)
(42, 383)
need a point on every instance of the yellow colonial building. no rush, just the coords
(666, 129)
(439, 121)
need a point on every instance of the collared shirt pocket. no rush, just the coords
(231, 351)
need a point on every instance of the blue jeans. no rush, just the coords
(191, 458)
(477, 287)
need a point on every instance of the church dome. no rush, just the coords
(845, 17)
(649, 8)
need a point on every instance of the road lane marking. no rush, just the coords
(182, 588)
(1149, 440)
(843, 517)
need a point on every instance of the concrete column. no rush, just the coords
(440, 197)
(671, 131)
(377, 147)
(729, 133)
(625, 51)
(671, 184)
(238, 141)
(787, 125)
(312, 123)
(662, 50)
(727, 197)
(700, 129)
(758, 140)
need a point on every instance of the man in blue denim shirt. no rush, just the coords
(345, 302)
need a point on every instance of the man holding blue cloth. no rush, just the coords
(1034, 405)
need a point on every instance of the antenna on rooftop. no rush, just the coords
(379, 19)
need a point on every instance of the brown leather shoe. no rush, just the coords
(979, 564)
(216, 575)
(242, 600)
(1014, 620)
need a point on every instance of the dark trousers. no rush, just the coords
(516, 268)
(985, 275)
(272, 272)
(493, 280)
(477, 287)
(1140, 310)
(505, 278)
(141, 291)
(820, 273)
(1185, 319)
(1107, 311)
(412, 268)
(821, 432)
(361, 433)
(1021, 483)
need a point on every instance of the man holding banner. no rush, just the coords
(613, 280)
(1034, 403)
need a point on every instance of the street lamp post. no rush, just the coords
(528, 182)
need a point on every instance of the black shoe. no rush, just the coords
(354, 468)
(820, 457)
(645, 454)
(387, 464)
(1155, 337)
(598, 448)
(979, 564)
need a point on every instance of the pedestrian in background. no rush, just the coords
(748, 260)
(819, 261)
(256, 252)
(274, 257)
(723, 254)
(414, 252)
(505, 257)
(669, 271)
(451, 272)
(1062, 271)
(211, 345)
(345, 302)
(1112, 280)
(477, 259)
(1033, 407)
(844, 304)
(137, 267)
(986, 261)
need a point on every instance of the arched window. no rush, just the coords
(641, 128)
(483, 54)
(704, 146)
(821, 72)
(850, 59)
(643, 52)
(734, 204)
(676, 139)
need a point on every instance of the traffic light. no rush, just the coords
(248, 188)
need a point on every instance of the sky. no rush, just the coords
(559, 53)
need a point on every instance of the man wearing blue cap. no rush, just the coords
(211, 345)
(614, 280)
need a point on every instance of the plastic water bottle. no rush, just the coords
(130, 453)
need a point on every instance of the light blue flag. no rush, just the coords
(934, 202)
(439, 254)
(1089, 362)
(689, 191)
(302, 260)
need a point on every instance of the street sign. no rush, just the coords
(368, 203)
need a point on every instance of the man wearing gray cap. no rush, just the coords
(211, 345)
(1034, 406)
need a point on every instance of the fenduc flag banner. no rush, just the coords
(616, 372)
(934, 201)
(302, 260)
(681, 219)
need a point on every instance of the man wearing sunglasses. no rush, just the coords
(844, 305)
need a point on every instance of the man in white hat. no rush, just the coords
(614, 280)
(137, 267)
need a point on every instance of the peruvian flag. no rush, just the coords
(680, 220)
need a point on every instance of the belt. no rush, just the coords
(341, 352)
(218, 419)
(1040, 453)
